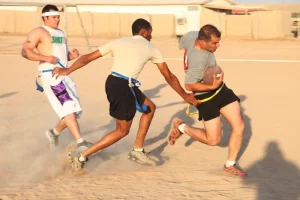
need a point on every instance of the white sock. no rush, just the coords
(80, 140)
(81, 158)
(181, 127)
(230, 163)
(141, 149)
(55, 131)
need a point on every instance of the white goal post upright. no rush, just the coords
(65, 6)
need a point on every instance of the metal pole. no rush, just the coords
(298, 25)
(220, 21)
(81, 23)
(66, 21)
(257, 24)
(282, 24)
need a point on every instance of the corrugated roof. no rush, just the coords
(108, 2)
(235, 7)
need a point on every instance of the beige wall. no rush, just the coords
(74, 25)
(264, 24)
(280, 7)
(217, 19)
(268, 24)
(126, 21)
(17, 22)
(239, 26)
(26, 21)
(7, 21)
(106, 25)
(286, 23)
(163, 25)
(95, 24)
(258, 25)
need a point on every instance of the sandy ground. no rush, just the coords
(188, 170)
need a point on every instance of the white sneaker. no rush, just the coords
(83, 146)
(141, 157)
(76, 164)
(52, 137)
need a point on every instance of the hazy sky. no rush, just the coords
(237, 1)
(108, 1)
(266, 1)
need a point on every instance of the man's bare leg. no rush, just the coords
(77, 160)
(144, 125)
(122, 129)
(232, 113)
(72, 124)
(60, 126)
(53, 134)
(212, 134)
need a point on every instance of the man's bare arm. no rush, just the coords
(172, 80)
(32, 40)
(73, 54)
(69, 56)
(201, 87)
(84, 60)
(23, 52)
(80, 62)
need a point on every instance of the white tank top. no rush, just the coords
(59, 48)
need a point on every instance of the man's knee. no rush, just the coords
(123, 128)
(151, 107)
(69, 117)
(214, 138)
(214, 142)
(123, 132)
(239, 127)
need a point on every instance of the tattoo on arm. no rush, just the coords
(69, 56)
(24, 54)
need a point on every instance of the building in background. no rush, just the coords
(170, 18)
(187, 13)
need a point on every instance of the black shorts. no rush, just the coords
(122, 101)
(211, 109)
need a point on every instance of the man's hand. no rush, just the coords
(73, 54)
(60, 72)
(190, 98)
(51, 59)
(217, 81)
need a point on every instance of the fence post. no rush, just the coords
(81, 23)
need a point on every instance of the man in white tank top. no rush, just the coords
(52, 48)
(130, 55)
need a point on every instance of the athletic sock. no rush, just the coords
(80, 140)
(55, 131)
(81, 158)
(230, 163)
(181, 127)
(141, 149)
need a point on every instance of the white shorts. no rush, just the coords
(62, 94)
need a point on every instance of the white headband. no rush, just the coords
(53, 13)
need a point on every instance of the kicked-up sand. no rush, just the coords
(264, 74)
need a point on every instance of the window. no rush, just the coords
(192, 8)
(181, 21)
